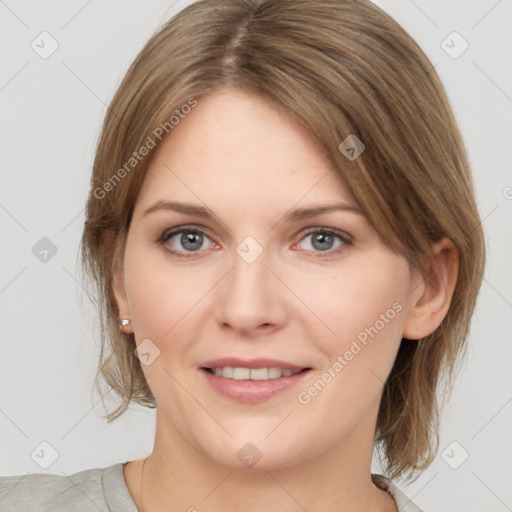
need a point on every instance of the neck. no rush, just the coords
(339, 479)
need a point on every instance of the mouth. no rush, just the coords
(256, 374)
(252, 382)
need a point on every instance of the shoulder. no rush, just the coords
(403, 503)
(85, 491)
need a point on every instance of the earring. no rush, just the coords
(124, 322)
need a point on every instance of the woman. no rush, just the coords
(283, 233)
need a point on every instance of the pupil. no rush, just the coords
(322, 238)
(192, 241)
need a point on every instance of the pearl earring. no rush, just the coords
(124, 322)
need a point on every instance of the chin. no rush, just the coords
(254, 454)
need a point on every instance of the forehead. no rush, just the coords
(235, 146)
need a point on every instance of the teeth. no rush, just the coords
(259, 373)
(228, 372)
(238, 373)
(274, 373)
(241, 373)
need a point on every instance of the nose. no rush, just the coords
(251, 300)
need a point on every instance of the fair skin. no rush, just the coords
(250, 165)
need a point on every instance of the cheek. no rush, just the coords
(163, 297)
(362, 309)
(365, 310)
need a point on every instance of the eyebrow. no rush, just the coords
(292, 216)
(190, 209)
(313, 211)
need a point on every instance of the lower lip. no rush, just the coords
(252, 391)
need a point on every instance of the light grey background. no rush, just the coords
(51, 112)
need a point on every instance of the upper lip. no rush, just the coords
(251, 363)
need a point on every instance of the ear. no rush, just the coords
(430, 296)
(120, 296)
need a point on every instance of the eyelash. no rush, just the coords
(168, 234)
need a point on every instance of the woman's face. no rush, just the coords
(225, 258)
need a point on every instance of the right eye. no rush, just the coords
(184, 242)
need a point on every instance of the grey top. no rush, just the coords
(103, 490)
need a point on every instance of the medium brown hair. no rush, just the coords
(340, 67)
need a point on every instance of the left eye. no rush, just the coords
(323, 241)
